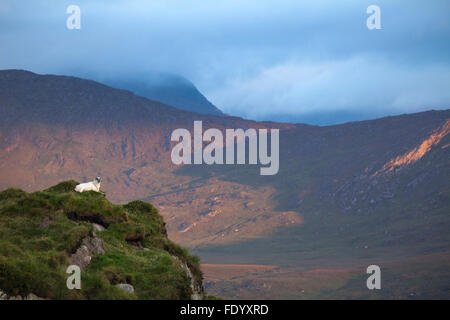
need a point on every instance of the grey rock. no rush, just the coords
(82, 257)
(94, 244)
(30, 296)
(3, 296)
(126, 287)
(98, 227)
(90, 246)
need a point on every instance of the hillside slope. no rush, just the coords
(351, 194)
(44, 232)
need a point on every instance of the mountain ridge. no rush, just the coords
(169, 89)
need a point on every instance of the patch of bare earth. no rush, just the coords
(221, 212)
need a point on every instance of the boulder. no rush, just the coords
(98, 227)
(126, 287)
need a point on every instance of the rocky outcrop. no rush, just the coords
(30, 296)
(196, 285)
(90, 246)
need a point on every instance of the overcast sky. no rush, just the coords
(253, 58)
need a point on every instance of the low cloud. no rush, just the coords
(365, 85)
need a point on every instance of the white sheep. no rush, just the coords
(89, 186)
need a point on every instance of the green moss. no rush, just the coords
(40, 230)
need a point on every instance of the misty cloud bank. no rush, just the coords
(360, 85)
(259, 59)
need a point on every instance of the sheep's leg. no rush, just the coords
(100, 191)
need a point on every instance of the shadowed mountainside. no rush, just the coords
(167, 88)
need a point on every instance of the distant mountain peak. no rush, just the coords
(170, 89)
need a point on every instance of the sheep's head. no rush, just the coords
(98, 179)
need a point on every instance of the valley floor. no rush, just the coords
(421, 277)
